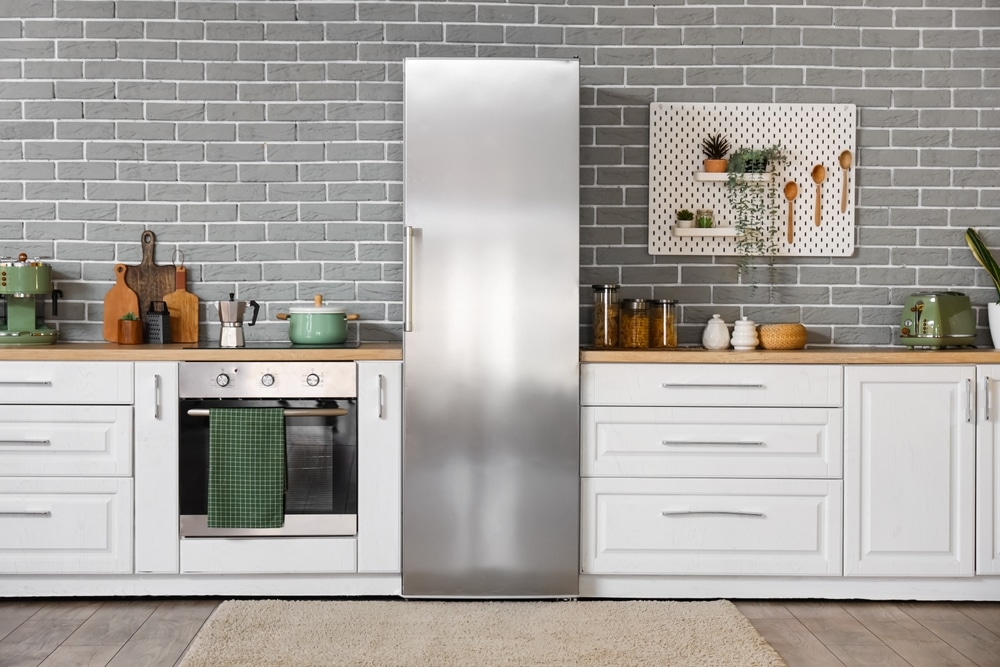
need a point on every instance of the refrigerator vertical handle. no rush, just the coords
(408, 280)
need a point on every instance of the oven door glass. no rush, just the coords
(321, 496)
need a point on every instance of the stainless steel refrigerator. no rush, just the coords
(491, 342)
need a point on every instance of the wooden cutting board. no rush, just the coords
(149, 281)
(183, 307)
(118, 301)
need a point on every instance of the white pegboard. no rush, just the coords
(809, 134)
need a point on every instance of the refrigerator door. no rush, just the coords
(491, 342)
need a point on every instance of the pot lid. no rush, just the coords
(316, 307)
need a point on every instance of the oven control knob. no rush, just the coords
(312, 380)
(267, 380)
(222, 380)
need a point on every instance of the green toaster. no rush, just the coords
(936, 320)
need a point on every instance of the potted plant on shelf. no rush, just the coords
(754, 202)
(715, 147)
(985, 257)
(129, 329)
(685, 218)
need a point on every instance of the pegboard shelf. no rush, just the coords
(702, 231)
(808, 134)
(711, 176)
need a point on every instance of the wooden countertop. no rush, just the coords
(817, 355)
(188, 352)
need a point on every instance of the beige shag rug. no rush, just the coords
(410, 633)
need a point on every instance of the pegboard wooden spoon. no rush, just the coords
(818, 176)
(845, 165)
(791, 192)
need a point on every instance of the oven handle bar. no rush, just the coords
(289, 412)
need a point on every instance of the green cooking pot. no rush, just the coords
(317, 324)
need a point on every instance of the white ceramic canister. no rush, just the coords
(716, 336)
(745, 335)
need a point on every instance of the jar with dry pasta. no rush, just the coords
(633, 329)
(605, 316)
(663, 327)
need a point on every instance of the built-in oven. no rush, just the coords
(319, 404)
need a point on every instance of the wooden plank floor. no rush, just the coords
(148, 632)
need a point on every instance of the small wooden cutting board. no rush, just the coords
(118, 301)
(149, 281)
(183, 307)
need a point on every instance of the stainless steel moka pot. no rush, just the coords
(231, 315)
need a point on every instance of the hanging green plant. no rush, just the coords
(755, 204)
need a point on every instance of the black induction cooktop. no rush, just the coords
(273, 345)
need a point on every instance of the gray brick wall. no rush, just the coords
(263, 139)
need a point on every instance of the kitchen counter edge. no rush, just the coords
(819, 355)
(186, 352)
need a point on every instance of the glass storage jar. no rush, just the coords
(663, 327)
(605, 316)
(633, 330)
(704, 218)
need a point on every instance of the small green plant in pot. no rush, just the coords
(754, 202)
(988, 262)
(715, 147)
(685, 218)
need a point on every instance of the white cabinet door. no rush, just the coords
(379, 460)
(909, 471)
(156, 503)
(988, 472)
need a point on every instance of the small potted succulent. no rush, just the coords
(685, 218)
(129, 329)
(715, 148)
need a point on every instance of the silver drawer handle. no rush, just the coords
(710, 513)
(25, 383)
(33, 443)
(694, 385)
(695, 443)
(28, 513)
(289, 412)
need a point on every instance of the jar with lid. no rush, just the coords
(663, 327)
(704, 218)
(605, 316)
(633, 330)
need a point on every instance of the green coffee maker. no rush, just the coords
(22, 282)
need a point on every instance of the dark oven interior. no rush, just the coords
(321, 455)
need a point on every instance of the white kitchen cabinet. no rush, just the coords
(156, 442)
(380, 433)
(65, 468)
(711, 526)
(692, 469)
(65, 525)
(909, 471)
(988, 471)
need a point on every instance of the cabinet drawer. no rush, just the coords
(711, 527)
(65, 526)
(79, 382)
(271, 555)
(737, 385)
(711, 442)
(66, 440)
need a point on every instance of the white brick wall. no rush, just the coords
(264, 140)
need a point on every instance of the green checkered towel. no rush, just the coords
(246, 468)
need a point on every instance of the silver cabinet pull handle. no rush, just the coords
(25, 383)
(28, 513)
(695, 385)
(968, 400)
(381, 396)
(156, 397)
(289, 412)
(988, 397)
(711, 513)
(704, 443)
(408, 278)
(33, 443)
